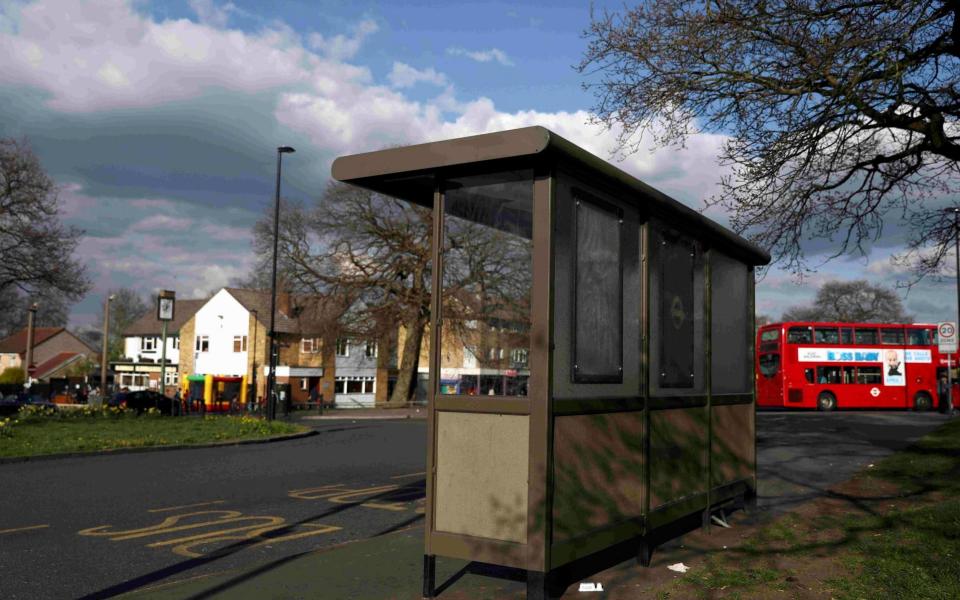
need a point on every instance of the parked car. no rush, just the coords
(11, 404)
(143, 400)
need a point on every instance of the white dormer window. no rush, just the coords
(149, 344)
(370, 350)
(203, 343)
(309, 346)
(343, 347)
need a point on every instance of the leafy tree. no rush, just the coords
(36, 250)
(838, 113)
(127, 306)
(13, 375)
(852, 301)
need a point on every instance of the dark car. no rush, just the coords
(11, 404)
(143, 400)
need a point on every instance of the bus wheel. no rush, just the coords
(923, 402)
(826, 401)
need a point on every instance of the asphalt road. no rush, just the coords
(99, 526)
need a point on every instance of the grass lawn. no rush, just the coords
(53, 435)
(891, 532)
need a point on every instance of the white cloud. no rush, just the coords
(100, 55)
(341, 47)
(493, 54)
(403, 75)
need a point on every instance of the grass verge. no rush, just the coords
(39, 434)
(891, 532)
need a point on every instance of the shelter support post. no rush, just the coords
(429, 575)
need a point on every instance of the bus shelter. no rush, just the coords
(590, 352)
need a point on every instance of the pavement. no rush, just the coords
(390, 565)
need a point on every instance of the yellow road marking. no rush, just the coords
(339, 494)
(2, 531)
(169, 508)
(410, 475)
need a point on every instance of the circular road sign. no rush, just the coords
(947, 330)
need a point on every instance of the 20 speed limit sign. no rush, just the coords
(947, 337)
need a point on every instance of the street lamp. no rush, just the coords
(271, 375)
(31, 318)
(253, 379)
(956, 251)
(105, 344)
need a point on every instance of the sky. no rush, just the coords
(159, 121)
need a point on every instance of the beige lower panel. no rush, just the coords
(482, 472)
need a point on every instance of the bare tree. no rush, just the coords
(362, 250)
(852, 301)
(53, 309)
(839, 113)
(36, 250)
(127, 306)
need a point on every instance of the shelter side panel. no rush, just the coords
(481, 481)
(678, 440)
(598, 471)
(733, 447)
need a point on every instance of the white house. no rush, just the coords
(142, 349)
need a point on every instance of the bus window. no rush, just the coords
(891, 336)
(808, 375)
(869, 375)
(848, 374)
(769, 364)
(866, 336)
(770, 335)
(918, 337)
(846, 336)
(799, 335)
(826, 336)
(828, 375)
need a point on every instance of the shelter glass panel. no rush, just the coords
(486, 282)
(598, 302)
(730, 333)
(677, 312)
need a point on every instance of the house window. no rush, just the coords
(309, 346)
(356, 385)
(496, 354)
(171, 377)
(303, 384)
(176, 343)
(149, 344)
(203, 343)
(518, 356)
(239, 343)
(343, 347)
(370, 351)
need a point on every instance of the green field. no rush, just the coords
(88, 431)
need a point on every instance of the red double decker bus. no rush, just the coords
(849, 365)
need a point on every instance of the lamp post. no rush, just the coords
(271, 375)
(253, 379)
(31, 318)
(956, 251)
(105, 342)
(165, 307)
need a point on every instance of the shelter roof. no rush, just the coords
(393, 171)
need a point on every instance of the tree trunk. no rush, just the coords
(406, 387)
